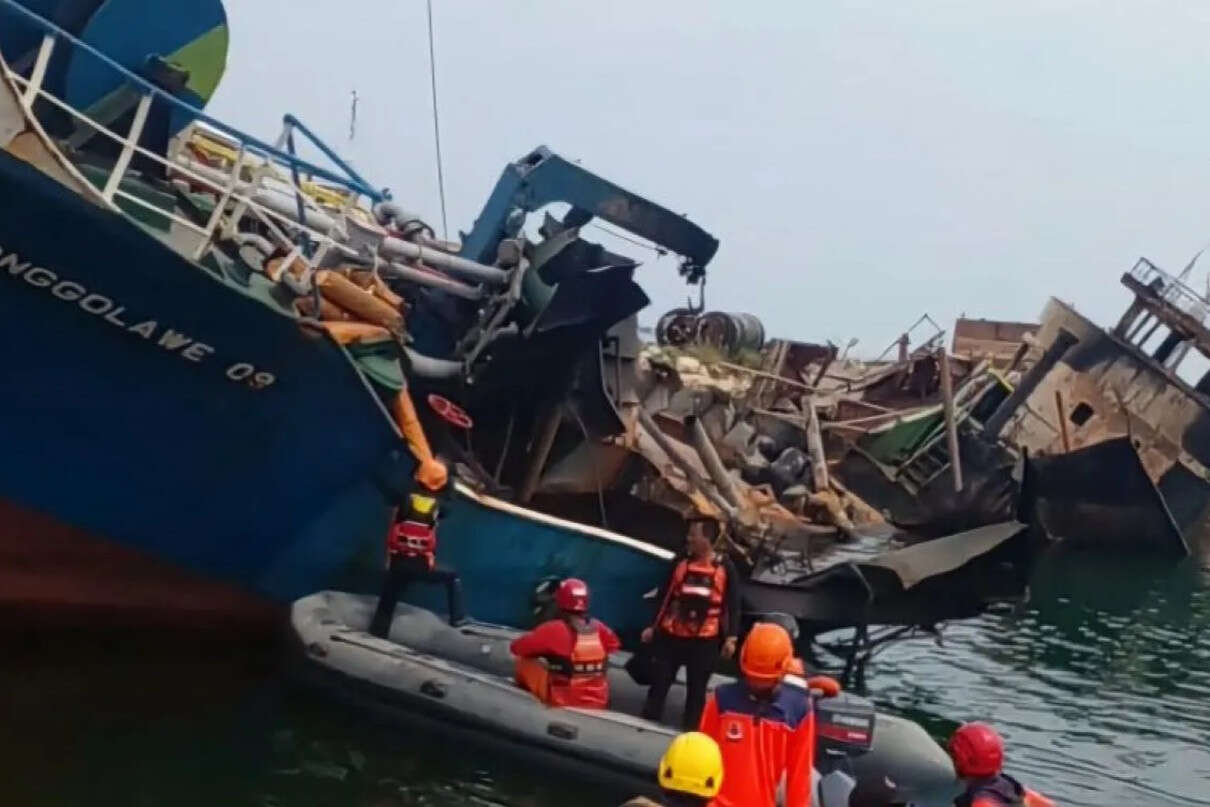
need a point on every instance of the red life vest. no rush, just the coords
(694, 606)
(414, 533)
(579, 679)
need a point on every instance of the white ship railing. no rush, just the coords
(261, 160)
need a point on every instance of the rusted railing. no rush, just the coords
(1171, 290)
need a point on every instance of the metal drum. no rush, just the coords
(731, 332)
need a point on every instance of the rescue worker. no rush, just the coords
(690, 773)
(412, 549)
(766, 731)
(697, 622)
(978, 753)
(563, 661)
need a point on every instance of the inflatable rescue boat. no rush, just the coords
(458, 681)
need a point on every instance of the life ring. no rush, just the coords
(450, 412)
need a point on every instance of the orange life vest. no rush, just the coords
(693, 608)
(414, 534)
(580, 679)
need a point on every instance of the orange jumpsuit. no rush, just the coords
(763, 739)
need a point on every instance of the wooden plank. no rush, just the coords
(544, 440)
(951, 423)
(1062, 421)
(819, 462)
(762, 374)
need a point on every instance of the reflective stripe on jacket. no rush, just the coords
(693, 606)
(575, 659)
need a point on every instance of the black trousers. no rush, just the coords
(669, 654)
(404, 570)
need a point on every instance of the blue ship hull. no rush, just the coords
(504, 552)
(137, 416)
(133, 410)
(175, 439)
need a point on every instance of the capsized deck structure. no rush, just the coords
(1112, 425)
(1126, 386)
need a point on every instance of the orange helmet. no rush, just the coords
(767, 654)
(432, 474)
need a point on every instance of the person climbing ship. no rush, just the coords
(412, 540)
(412, 549)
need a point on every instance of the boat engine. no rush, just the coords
(845, 725)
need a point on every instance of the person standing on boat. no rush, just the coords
(766, 731)
(563, 661)
(697, 622)
(690, 773)
(978, 753)
(412, 549)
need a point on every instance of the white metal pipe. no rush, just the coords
(405, 250)
(428, 367)
(391, 247)
(419, 276)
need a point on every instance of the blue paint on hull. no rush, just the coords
(502, 556)
(271, 489)
(274, 490)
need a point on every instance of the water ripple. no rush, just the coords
(1100, 684)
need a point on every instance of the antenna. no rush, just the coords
(353, 117)
(445, 233)
(1188, 270)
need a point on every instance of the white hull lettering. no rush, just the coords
(96, 304)
(13, 264)
(171, 340)
(67, 291)
(40, 278)
(108, 311)
(114, 317)
(241, 371)
(144, 329)
(197, 351)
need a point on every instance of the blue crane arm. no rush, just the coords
(543, 177)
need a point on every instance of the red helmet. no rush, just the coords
(572, 596)
(977, 750)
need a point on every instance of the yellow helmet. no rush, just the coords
(692, 764)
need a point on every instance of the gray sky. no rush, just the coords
(861, 162)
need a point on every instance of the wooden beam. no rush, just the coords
(544, 440)
(762, 374)
(819, 462)
(1062, 420)
(951, 423)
